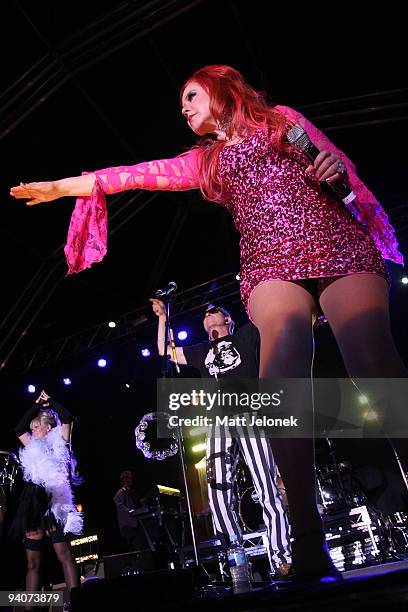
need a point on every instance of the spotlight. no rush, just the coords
(404, 280)
(182, 335)
(102, 363)
(363, 399)
(237, 277)
(201, 465)
(67, 381)
(370, 415)
(145, 352)
(127, 385)
(112, 324)
(198, 447)
(31, 389)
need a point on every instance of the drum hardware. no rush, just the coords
(9, 470)
(250, 510)
(2, 508)
(9, 466)
(396, 529)
(337, 490)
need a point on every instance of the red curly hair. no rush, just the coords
(240, 110)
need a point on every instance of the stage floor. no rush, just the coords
(380, 587)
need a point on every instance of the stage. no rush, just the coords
(370, 588)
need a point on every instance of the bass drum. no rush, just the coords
(250, 511)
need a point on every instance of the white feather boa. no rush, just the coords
(45, 461)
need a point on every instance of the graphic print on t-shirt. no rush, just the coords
(221, 358)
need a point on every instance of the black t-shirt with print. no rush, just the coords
(233, 355)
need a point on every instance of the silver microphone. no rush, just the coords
(299, 139)
(171, 288)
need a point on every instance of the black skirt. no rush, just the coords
(33, 512)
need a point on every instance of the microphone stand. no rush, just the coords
(166, 372)
(398, 460)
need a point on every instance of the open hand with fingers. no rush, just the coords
(36, 193)
(43, 398)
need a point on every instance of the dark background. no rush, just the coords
(90, 85)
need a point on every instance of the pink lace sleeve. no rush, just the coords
(370, 212)
(87, 234)
(177, 174)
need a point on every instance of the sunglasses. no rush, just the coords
(213, 310)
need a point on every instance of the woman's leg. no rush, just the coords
(33, 544)
(33, 541)
(283, 313)
(356, 307)
(69, 566)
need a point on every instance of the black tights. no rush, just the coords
(63, 552)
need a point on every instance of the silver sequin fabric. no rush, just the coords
(289, 228)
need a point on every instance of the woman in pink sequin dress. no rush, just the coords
(300, 251)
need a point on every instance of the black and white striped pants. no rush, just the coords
(223, 444)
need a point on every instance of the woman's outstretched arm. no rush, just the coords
(87, 234)
(175, 174)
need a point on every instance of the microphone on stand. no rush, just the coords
(171, 288)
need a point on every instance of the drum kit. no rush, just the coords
(9, 471)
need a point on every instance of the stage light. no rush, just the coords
(127, 385)
(79, 507)
(67, 381)
(193, 432)
(112, 324)
(201, 465)
(145, 352)
(197, 448)
(404, 280)
(370, 415)
(363, 399)
(31, 389)
(102, 363)
(237, 277)
(182, 335)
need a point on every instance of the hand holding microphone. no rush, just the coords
(330, 170)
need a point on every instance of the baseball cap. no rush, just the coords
(216, 308)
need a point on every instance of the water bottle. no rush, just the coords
(238, 565)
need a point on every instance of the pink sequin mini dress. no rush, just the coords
(289, 228)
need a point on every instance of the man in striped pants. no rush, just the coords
(235, 355)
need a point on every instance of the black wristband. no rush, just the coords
(63, 413)
(23, 425)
